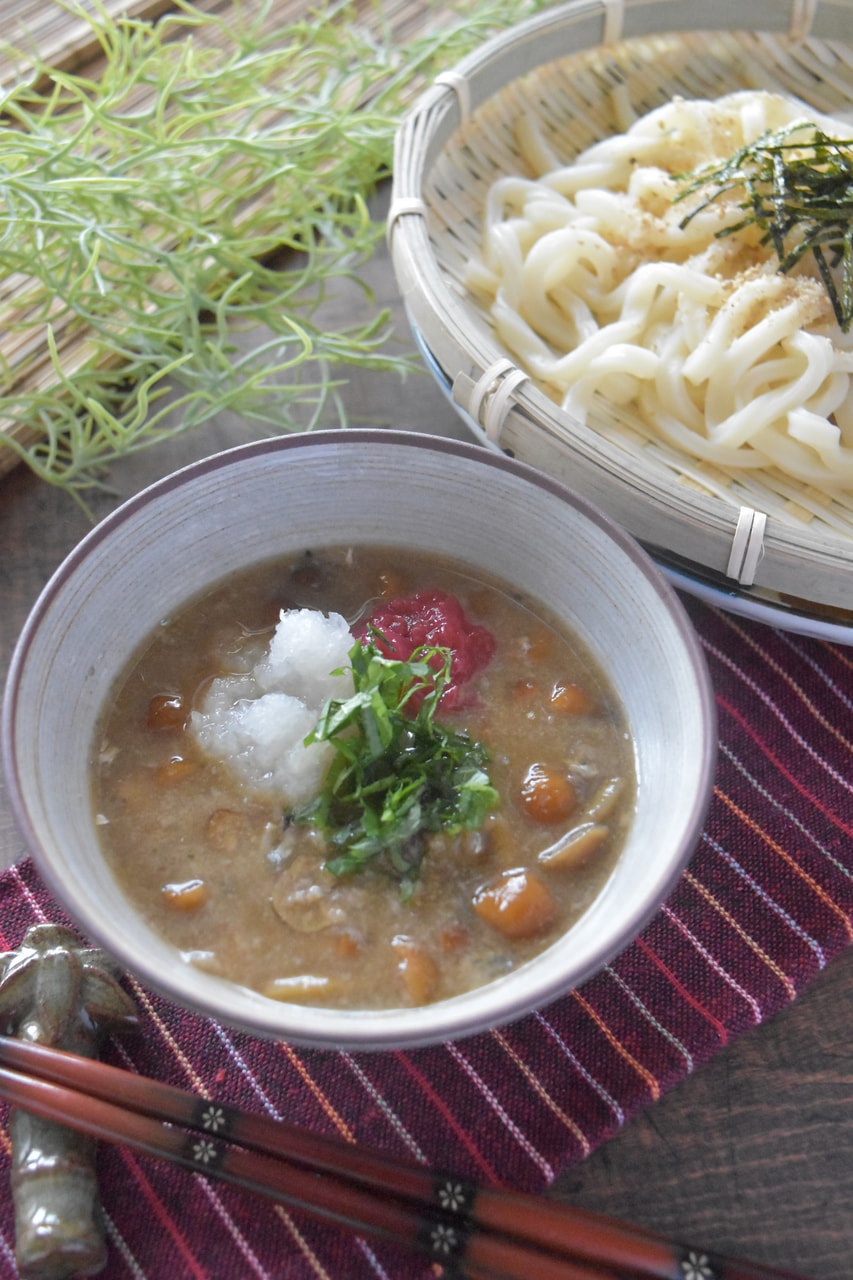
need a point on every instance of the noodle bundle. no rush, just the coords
(602, 284)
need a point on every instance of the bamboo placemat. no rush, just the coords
(48, 33)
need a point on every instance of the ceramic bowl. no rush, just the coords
(383, 488)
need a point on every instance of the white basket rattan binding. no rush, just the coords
(767, 531)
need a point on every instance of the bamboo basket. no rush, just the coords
(751, 534)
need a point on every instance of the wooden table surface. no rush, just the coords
(753, 1153)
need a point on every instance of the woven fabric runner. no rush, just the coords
(766, 901)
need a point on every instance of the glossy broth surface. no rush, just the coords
(223, 873)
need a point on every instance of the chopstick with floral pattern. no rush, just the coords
(484, 1233)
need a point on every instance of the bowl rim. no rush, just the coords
(360, 1029)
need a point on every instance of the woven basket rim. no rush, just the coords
(811, 561)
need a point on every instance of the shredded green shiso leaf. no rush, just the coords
(143, 214)
(395, 777)
(799, 191)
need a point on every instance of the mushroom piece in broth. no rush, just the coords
(222, 861)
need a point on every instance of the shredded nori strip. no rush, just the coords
(795, 186)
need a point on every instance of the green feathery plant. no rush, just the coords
(213, 178)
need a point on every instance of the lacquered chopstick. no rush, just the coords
(445, 1239)
(576, 1234)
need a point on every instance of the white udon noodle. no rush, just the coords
(597, 290)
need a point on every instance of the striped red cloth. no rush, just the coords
(766, 901)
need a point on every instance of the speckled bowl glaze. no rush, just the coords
(383, 488)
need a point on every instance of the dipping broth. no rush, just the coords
(206, 849)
